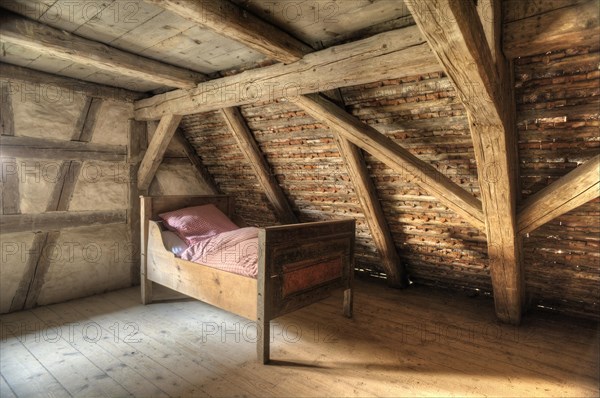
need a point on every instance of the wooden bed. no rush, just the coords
(297, 265)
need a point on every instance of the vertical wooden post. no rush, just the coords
(263, 307)
(135, 151)
(145, 213)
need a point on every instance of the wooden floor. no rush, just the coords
(416, 342)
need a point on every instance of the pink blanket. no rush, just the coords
(233, 251)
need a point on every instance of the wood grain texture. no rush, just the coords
(200, 169)
(569, 192)
(137, 145)
(9, 197)
(53, 42)
(402, 52)
(44, 148)
(24, 81)
(367, 196)
(456, 36)
(396, 157)
(249, 147)
(572, 25)
(229, 20)
(53, 221)
(156, 150)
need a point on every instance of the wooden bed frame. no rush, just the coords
(297, 265)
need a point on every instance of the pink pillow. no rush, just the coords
(198, 222)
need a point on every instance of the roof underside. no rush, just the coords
(557, 95)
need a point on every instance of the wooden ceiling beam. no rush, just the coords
(46, 40)
(455, 34)
(565, 27)
(567, 193)
(156, 150)
(229, 20)
(399, 159)
(31, 85)
(249, 147)
(390, 55)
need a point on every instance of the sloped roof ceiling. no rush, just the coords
(557, 114)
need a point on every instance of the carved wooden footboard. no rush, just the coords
(297, 265)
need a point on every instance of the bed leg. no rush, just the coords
(146, 288)
(263, 341)
(348, 298)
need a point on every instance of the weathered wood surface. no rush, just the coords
(53, 42)
(249, 147)
(569, 25)
(52, 221)
(226, 290)
(156, 150)
(166, 363)
(396, 157)
(367, 195)
(29, 83)
(9, 197)
(457, 38)
(137, 145)
(388, 55)
(569, 192)
(227, 19)
(45, 148)
(200, 169)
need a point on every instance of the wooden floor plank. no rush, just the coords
(132, 381)
(416, 342)
(24, 374)
(68, 366)
(5, 390)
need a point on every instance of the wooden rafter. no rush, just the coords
(277, 44)
(396, 157)
(156, 150)
(227, 19)
(29, 83)
(9, 197)
(249, 147)
(27, 33)
(569, 192)
(457, 37)
(389, 55)
(565, 27)
(371, 207)
(200, 169)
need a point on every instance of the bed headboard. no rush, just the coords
(152, 206)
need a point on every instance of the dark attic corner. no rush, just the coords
(371, 197)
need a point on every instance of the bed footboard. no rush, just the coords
(300, 264)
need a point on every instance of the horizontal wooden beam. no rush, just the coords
(43, 148)
(156, 150)
(389, 55)
(31, 85)
(251, 151)
(560, 29)
(230, 20)
(402, 161)
(567, 193)
(24, 32)
(58, 220)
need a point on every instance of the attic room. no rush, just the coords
(300, 198)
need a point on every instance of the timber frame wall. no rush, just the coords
(358, 145)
